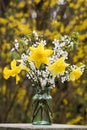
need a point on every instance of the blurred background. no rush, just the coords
(50, 18)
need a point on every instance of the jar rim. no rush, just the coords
(42, 96)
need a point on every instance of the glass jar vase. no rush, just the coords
(42, 109)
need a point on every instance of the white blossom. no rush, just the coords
(24, 57)
(35, 34)
(32, 65)
(13, 49)
(16, 46)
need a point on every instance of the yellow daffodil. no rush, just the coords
(14, 71)
(6, 73)
(75, 74)
(40, 55)
(58, 67)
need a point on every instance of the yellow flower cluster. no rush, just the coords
(14, 71)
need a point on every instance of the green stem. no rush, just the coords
(35, 113)
(47, 112)
(41, 113)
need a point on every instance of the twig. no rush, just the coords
(11, 105)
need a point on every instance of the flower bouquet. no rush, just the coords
(43, 64)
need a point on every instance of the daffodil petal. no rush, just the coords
(6, 73)
(13, 64)
(17, 79)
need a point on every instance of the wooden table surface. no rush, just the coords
(41, 127)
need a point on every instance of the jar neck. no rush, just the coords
(41, 92)
(42, 95)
